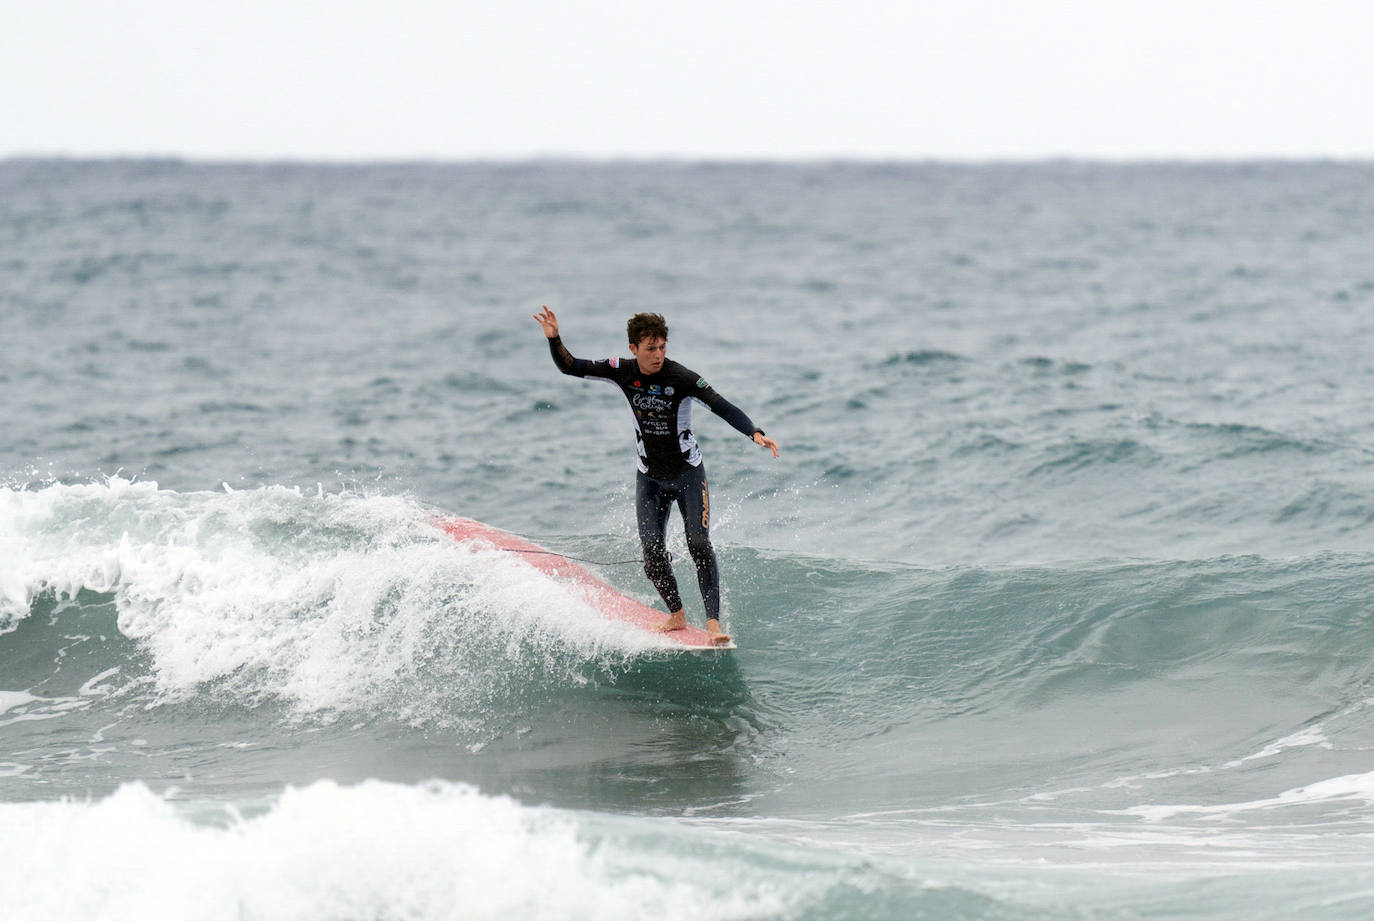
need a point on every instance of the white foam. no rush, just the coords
(329, 602)
(1311, 736)
(377, 851)
(92, 686)
(32, 709)
(1350, 787)
(11, 699)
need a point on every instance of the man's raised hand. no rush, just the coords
(548, 321)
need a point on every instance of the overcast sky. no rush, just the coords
(365, 79)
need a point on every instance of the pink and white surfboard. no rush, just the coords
(604, 597)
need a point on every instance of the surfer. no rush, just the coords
(659, 391)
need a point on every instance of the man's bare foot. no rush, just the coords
(676, 621)
(718, 637)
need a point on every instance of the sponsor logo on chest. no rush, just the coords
(650, 403)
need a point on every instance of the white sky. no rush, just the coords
(363, 79)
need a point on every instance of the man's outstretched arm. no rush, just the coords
(577, 367)
(736, 417)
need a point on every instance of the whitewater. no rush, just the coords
(1056, 605)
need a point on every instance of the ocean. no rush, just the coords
(1056, 604)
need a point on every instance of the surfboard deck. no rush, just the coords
(604, 597)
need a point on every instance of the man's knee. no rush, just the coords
(700, 548)
(656, 560)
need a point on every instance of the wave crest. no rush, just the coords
(326, 602)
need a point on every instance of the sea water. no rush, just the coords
(1055, 606)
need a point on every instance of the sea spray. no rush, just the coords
(330, 603)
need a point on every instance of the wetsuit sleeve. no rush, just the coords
(726, 410)
(578, 367)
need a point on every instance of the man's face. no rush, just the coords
(649, 353)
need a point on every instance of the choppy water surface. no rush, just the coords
(1056, 605)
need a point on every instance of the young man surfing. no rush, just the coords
(660, 392)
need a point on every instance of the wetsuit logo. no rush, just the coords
(667, 391)
(701, 382)
(650, 402)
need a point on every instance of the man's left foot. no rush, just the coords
(676, 621)
(718, 636)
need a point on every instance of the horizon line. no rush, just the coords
(685, 159)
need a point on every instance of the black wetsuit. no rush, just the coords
(669, 462)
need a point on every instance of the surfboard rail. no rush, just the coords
(602, 595)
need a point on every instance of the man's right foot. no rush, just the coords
(675, 621)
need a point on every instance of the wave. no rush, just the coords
(440, 850)
(325, 603)
(1073, 457)
(929, 683)
(346, 609)
(923, 358)
(433, 851)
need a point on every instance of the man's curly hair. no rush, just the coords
(646, 325)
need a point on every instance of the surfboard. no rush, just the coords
(602, 595)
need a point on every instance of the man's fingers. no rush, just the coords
(547, 320)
